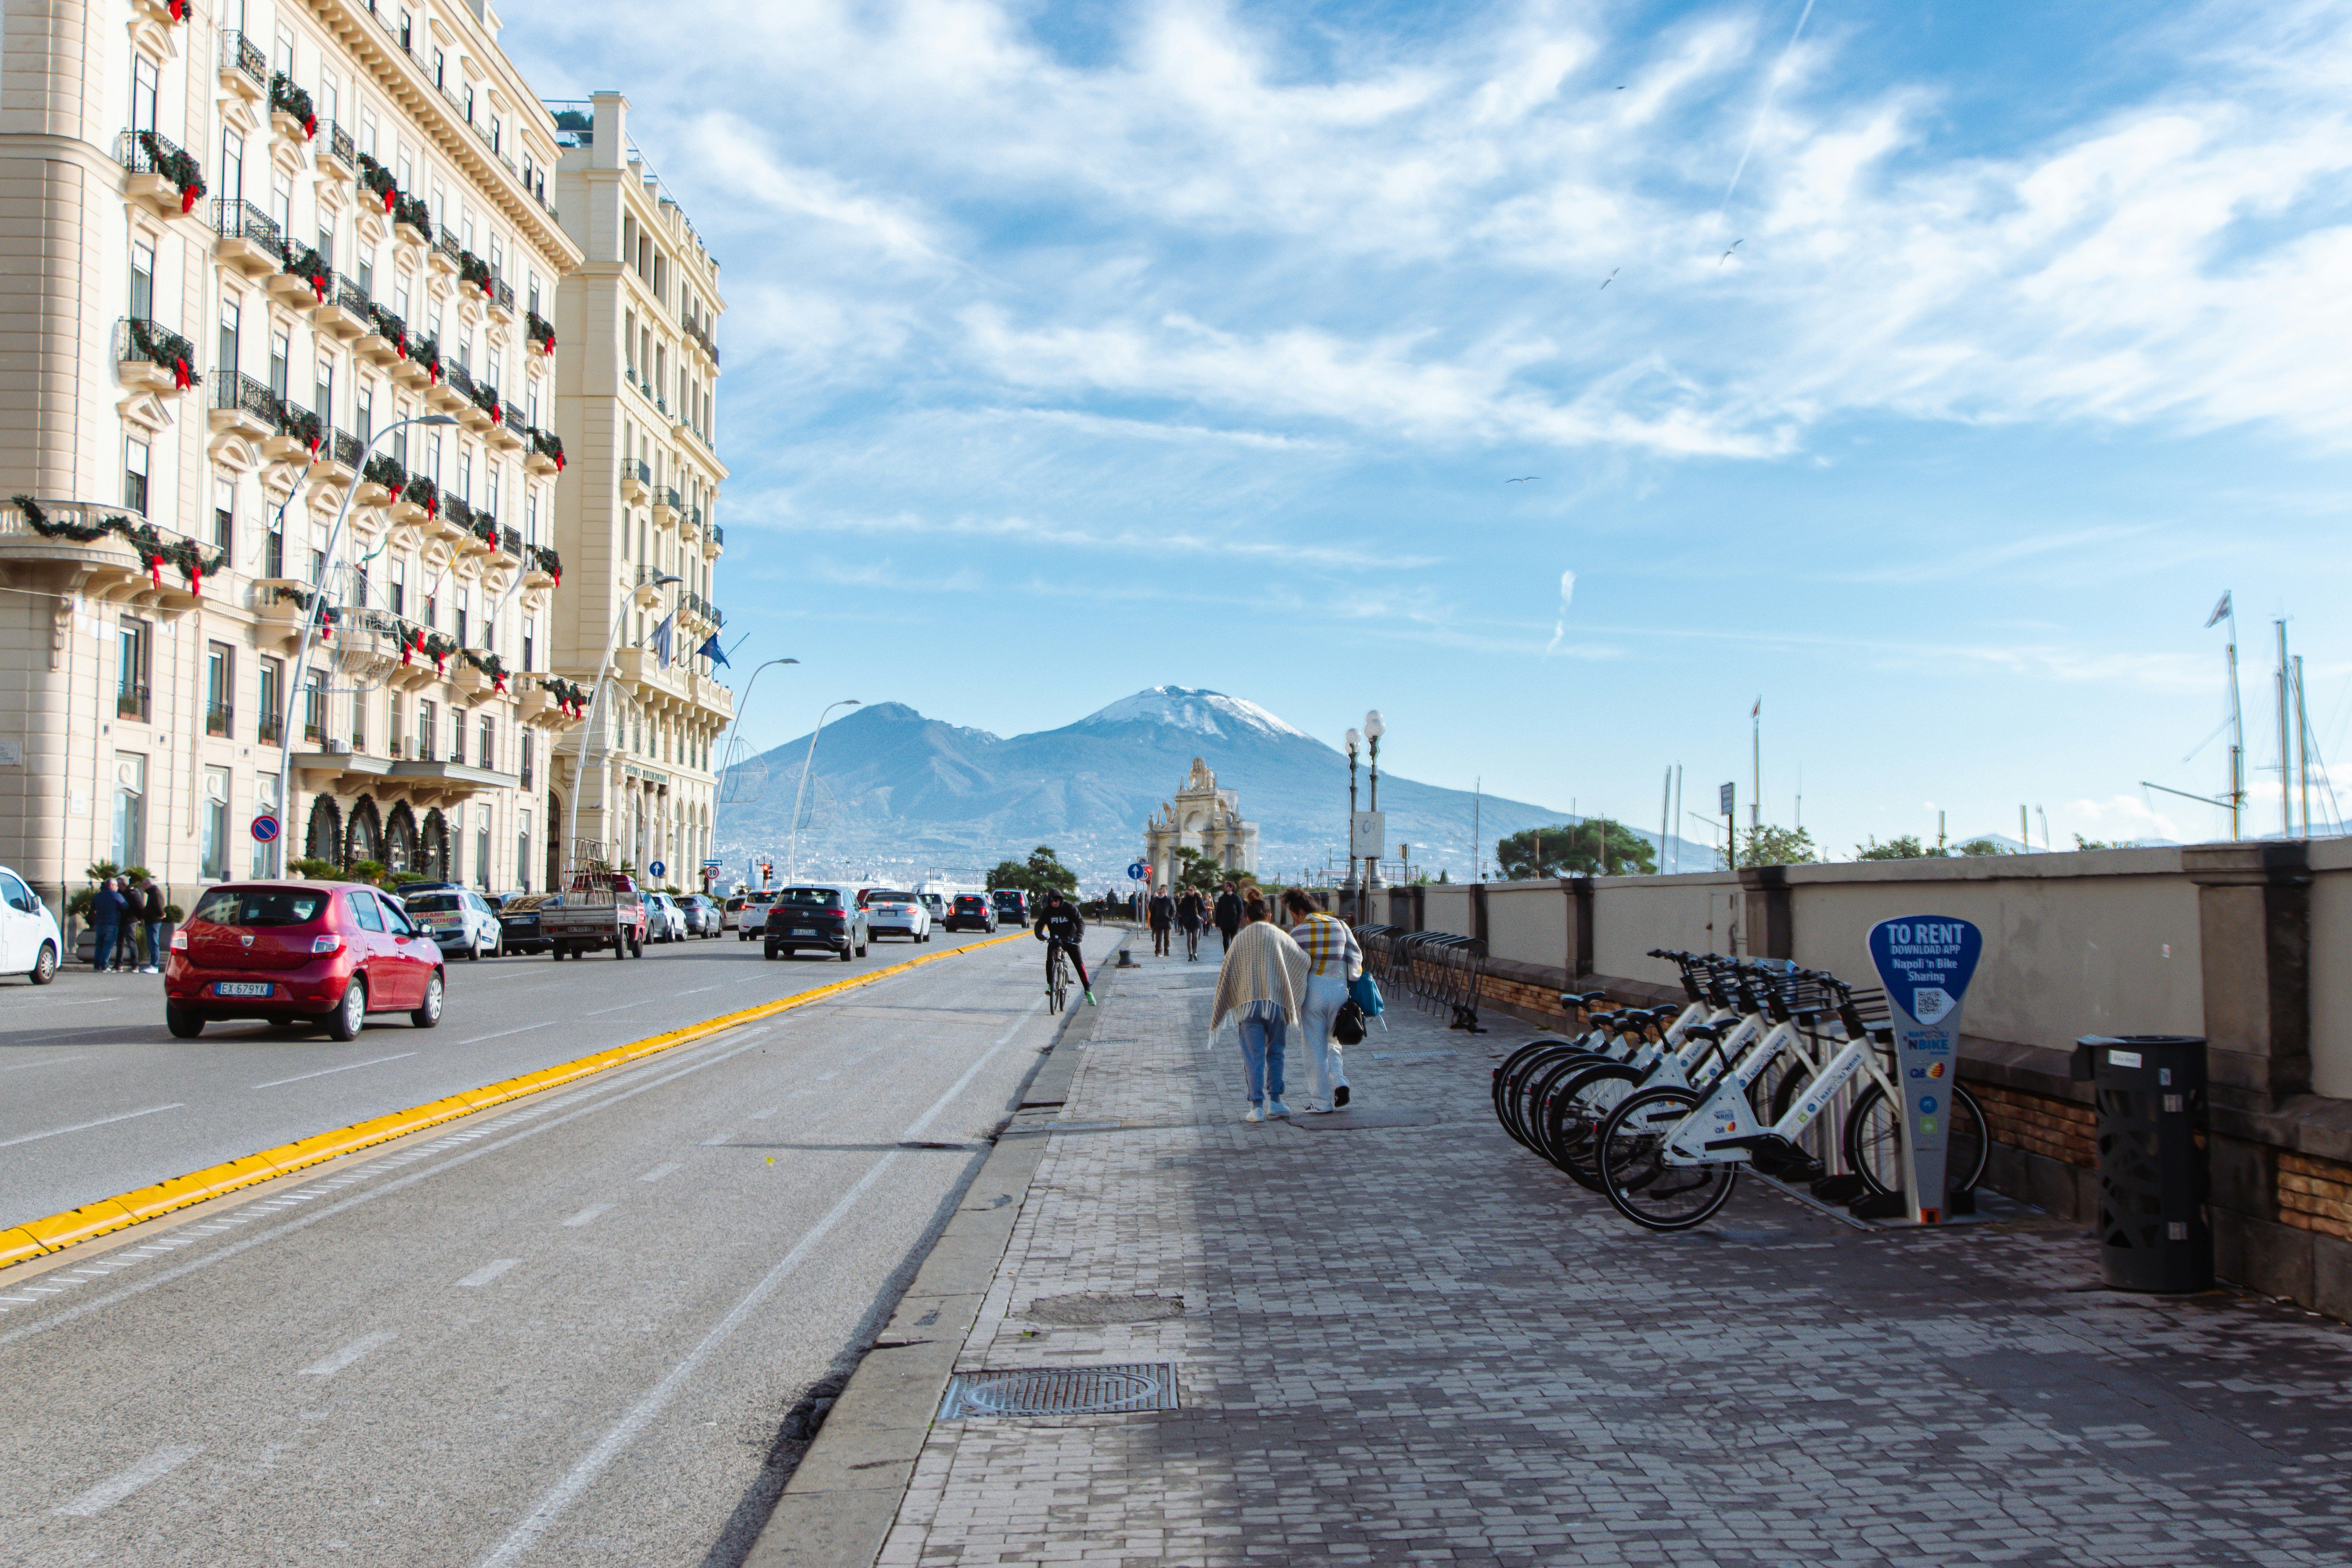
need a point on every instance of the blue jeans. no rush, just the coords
(1262, 1056)
(104, 957)
(154, 944)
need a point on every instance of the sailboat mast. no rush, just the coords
(2236, 739)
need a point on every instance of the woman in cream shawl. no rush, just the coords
(1261, 987)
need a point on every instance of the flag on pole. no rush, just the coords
(713, 652)
(662, 637)
(2220, 612)
(1752, 713)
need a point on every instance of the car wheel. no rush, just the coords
(184, 1024)
(861, 950)
(846, 954)
(426, 1016)
(351, 1012)
(44, 968)
(620, 946)
(636, 948)
(474, 951)
(770, 952)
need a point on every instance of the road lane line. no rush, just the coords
(330, 1365)
(488, 1272)
(588, 1215)
(659, 1171)
(114, 1488)
(86, 1126)
(322, 1072)
(715, 1139)
(623, 1007)
(763, 1115)
(582, 1475)
(52, 1062)
(502, 1034)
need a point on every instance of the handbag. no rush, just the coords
(1365, 993)
(1348, 1023)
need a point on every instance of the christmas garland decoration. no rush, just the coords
(486, 398)
(389, 327)
(166, 349)
(437, 649)
(426, 351)
(489, 664)
(569, 695)
(146, 541)
(179, 10)
(484, 528)
(549, 562)
(549, 445)
(304, 262)
(412, 211)
(540, 330)
(300, 424)
(385, 470)
(185, 173)
(474, 271)
(288, 98)
(378, 179)
(422, 491)
(330, 617)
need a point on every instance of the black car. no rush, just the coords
(969, 912)
(1012, 906)
(826, 918)
(518, 920)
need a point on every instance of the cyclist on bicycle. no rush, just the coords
(1059, 928)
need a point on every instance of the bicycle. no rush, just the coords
(1057, 979)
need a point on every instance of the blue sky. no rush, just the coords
(1076, 348)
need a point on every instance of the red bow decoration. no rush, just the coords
(179, 10)
(318, 286)
(310, 127)
(434, 372)
(497, 415)
(557, 572)
(188, 195)
(181, 379)
(155, 569)
(314, 445)
(559, 462)
(489, 287)
(408, 646)
(400, 345)
(196, 579)
(391, 194)
(440, 664)
(498, 683)
(433, 506)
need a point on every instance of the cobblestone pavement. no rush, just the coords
(1416, 1342)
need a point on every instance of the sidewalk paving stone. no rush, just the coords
(1411, 1341)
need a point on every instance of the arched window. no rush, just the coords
(363, 840)
(323, 840)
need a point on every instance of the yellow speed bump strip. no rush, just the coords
(38, 1238)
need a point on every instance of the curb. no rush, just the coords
(54, 1233)
(837, 1509)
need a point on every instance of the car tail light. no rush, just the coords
(326, 944)
(179, 942)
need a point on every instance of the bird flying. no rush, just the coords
(1523, 481)
(1727, 255)
(1612, 278)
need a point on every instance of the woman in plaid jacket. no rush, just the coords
(1333, 959)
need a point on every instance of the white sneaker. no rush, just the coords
(1253, 1114)
(1277, 1109)
(1315, 1108)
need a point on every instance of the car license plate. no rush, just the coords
(242, 988)
(803, 930)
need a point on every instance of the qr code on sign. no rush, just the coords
(1929, 1003)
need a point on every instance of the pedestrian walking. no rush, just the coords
(1191, 913)
(1334, 959)
(1261, 986)
(151, 917)
(1160, 914)
(1228, 915)
(106, 919)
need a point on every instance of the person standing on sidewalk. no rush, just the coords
(151, 917)
(1161, 913)
(1262, 987)
(1191, 912)
(1334, 959)
(106, 919)
(1229, 915)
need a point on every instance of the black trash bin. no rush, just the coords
(2152, 1176)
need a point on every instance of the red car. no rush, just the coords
(327, 952)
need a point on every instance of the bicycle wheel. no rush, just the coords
(1536, 1097)
(1511, 1083)
(1874, 1144)
(1578, 1108)
(1630, 1158)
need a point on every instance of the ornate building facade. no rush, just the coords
(1204, 818)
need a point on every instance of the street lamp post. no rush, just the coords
(595, 718)
(1374, 728)
(726, 752)
(311, 623)
(1354, 740)
(793, 855)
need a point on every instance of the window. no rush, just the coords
(534, 291)
(485, 754)
(282, 352)
(528, 627)
(363, 415)
(327, 242)
(134, 475)
(145, 79)
(523, 758)
(363, 264)
(367, 131)
(529, 520)
(482, 846)
(440, 80)
(314, 709)
(273, 545)
(433, 611)
(129, 847)
(270, 699)
(365, 909)
(281, 203)
(490, 488)
(324, 389)
(397, 591)
(464, 596)
(214, 840)
(283, 58)
(265, 804)
(469, 108)
(425, 715)
(327, 103)
(232, 169)
(143, 280)
(134, 645)
(226, 360)
(220, 688)
(408, 34)
(522, 850)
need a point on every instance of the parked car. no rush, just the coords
(30, 943)
(970, 911)
(701, 914)
(664, 921)
(897, 914)
(599, 909)
(747, 913)
(518, 928)
(826, 918)
(458, 920)
(1012, 906)
(288, 952)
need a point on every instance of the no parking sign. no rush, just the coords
(265, 829)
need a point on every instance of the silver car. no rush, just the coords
(664, 921)
(458, 920)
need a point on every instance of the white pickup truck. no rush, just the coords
(599, 909)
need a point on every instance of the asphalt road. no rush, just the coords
(566, 1332)
(95, 1097)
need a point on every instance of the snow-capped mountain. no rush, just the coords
(905, 791)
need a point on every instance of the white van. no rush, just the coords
(30, 943)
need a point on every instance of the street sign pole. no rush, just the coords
(1925, 963)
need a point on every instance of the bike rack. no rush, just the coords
(1438, 969)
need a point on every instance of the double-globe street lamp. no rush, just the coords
(792, 854)
(1374, 728)
(295, 689)
(645, 596)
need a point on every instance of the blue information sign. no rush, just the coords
(1138, 871)
(657, 869)
(1925, 963)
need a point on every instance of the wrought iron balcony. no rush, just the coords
(234, 219)
(219, 718)
(460, 382)
(342, 148)
(237, 391)
(138, 340)
(242, 55)
(131, 700)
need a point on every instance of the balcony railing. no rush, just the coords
(446, 243)
(218, 719)
(342, 148)
(669, 498)
(514, 420)
(644, 472)
(349, 296)
(137, 339)
(130, 701)
(510, 541)
(717, 536)
(505, 291)
(342, 446)
(271, 729)
(145, 153)
(460, 382)
(234, 219)
(244, 55)
(232, 389)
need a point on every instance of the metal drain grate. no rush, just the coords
(1061, 1391)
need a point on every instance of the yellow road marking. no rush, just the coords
(54, 1233)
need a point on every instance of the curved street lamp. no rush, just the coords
(793, 855)
(727, 751)
(644, 596)
(311, 617)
